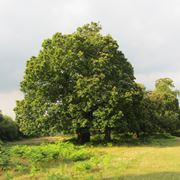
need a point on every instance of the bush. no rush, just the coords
(48, 152)
(8, 129)
(34, 158)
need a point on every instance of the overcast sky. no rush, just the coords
(148, 33)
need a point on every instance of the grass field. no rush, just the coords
(158, 160)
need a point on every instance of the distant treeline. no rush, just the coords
(82, 83)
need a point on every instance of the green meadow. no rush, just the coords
(55, 158)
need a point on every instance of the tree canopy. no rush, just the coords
(82, 83)
(78, 81)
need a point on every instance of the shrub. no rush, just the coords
(8, 129)
(48, 152)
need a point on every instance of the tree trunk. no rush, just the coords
(83, 135)
(138, 135)
(107, 136)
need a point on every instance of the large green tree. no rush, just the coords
(78, 82)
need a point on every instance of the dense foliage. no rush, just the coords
(8, 128)
(166, 104)
(82, 83)
(78, 82)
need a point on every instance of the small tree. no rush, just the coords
(169, 106)
(160, 108)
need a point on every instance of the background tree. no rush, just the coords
(160, 108)
(166, 97)
(8, 128)
(78, 82)
(157, 110)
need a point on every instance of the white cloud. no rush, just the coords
(8, 101)
(150, 78)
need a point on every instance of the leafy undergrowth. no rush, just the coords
(29, 161)
(62, 160)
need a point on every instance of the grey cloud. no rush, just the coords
(147, 32)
